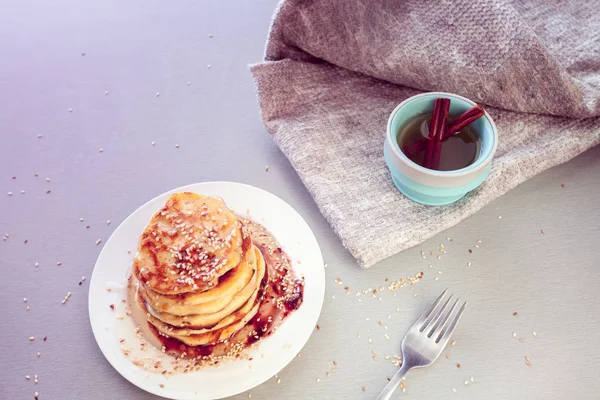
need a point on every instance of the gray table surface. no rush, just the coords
(136, 49)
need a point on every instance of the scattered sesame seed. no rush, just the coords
(278, 380)
(47, 179)
(31, 338)
(267, 168)
(327, 374)
(499, 216)
(208, 66)
(27, 377)
(358, 336)
(466, 383)
(437, 278)
(189, 83)
(318, 380)
(66, 297)
(106, 92)
(333, 297)
(335, 362)
(161, 385)
(83, 278)
(457, 365)
(157, 94)
(439, 257)
(447, 355)
(542, 232)
(472, 379)
(98, 241)
(36, 264)
(36, 394)
(364, 388)
(39, 354)
(153, 143)
(210, 36)
(515, 314)
(27, 308)
(24, 299)
(454, 390)
(70, 110)
(370, 341)
(249, 395)
(534, 334)
(100, 150)
(468, 264)
(397, 309)
(22, 192)
(514, 334)
(108, 222)
(453, 343)
(9, 193)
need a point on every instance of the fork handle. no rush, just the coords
(389, 389)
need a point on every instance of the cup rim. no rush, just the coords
(479, 164)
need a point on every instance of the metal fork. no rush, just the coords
(425, 340)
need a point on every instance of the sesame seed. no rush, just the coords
(318, 380)
(267, 168)
(176, 146)
(36, 394)
(515, 314)
(499, 216)
(249, 395)
(208, 66)
(47, 179)
(27, 377)
(157, 94)
(468, 264)
(70, 110)
(106, 92)
(36, 264)
(454, 390)
(210, 36)
(515, 334)
(27, 308)
(466, 383)
(364, 388)
(472, 379)
(9, 193)
(24, 299)
(278, 380)
(22, 192)
(335, 362)
(98, 241)
(39, 354)
(31, 338)
(153, 143)
(333, 297)
(453, 343)
(358, 336)
(189, 83)
(534, 334)
(447, 355)
(542, 232)
(100, 150)
(108, 222)
(59, 263)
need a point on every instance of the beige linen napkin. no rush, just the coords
(335, 69)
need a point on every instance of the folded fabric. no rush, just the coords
(334, 70)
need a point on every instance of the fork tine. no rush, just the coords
(441, 322)
(447, 331)
(429, 311)
(438, 313)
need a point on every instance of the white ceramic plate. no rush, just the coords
(231, 378)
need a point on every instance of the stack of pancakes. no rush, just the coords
(200, 278)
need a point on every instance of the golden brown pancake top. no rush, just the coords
(190, 242)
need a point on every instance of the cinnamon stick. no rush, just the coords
(455, 126)
(439, 134)
(436, 130)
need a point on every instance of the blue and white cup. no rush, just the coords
(431, 187)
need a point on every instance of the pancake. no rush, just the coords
(198, 321)
(225, 328)
(210, 301)
(188, 244)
